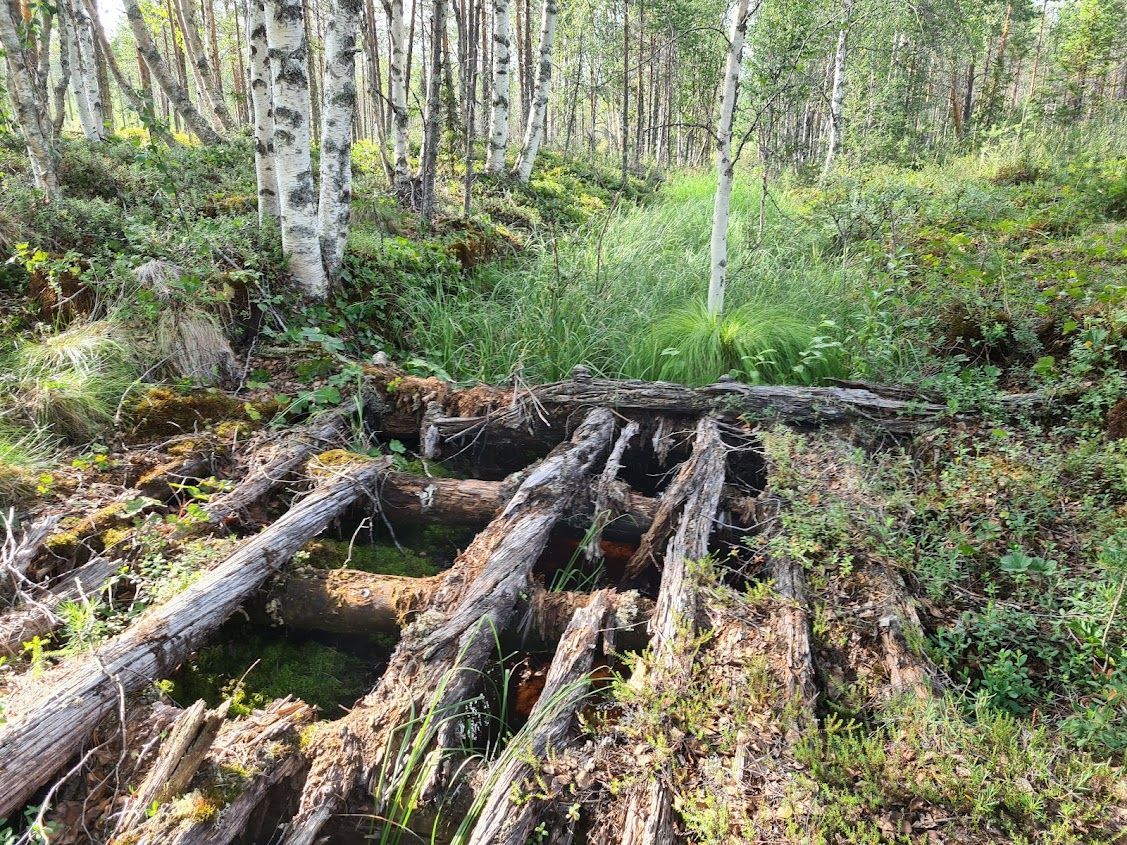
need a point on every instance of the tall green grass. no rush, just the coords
(621, 295)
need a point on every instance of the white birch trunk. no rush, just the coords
(725, 167)
(79, 75)
(164, 78)
(211, 99)
(502, 71)
(30, 114)
(285, 35)
(399, 91)
(538, 109)
(89, 89)
(837, 95)
(336, 132)
(262, 107)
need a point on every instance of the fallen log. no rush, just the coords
(180, 757)
(37, 617)
(541, 413)
(792, 623)
(649, 806)
(346, 601)
(17, 553)
(48, 720)
(277, 464)
(506, 818)
(902, 637)
(263, 747)
(439, 660)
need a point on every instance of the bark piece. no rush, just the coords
(438, 662)
(504, 818)
(48, 721)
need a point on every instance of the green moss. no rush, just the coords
(380, 557)
(163, 411)
(320, 674)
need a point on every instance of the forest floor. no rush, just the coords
(905, 625)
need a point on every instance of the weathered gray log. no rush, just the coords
(277, 464)
(264, 744)
(649, 806)
(48, 720)
(504, 820)
(792, 622)
(902, 637)
(37, 617)
(346, 601)
(180, 757)
(17, 553)
(542, 412)
(439, 660)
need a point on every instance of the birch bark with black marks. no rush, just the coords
(428, 166)
(59, 92)
(725, 167)
(84, 73)
(285, 36)
(502, 71)
(160, 71)
(30, 114)
(207, 87)
(538, 110)
(336, 132)
(398, 85)
(262, 106)
(837, 94)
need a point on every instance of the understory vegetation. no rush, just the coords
(972, 277)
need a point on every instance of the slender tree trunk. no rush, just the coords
(336, 132)
(84, 73)
(534, 129)
(313, 76)
(429, 164)
(261, 95)
(469, 97)
(175, 92)
(63, 84)
(725, 167)
(999, 67)
(207, 83)
(30, 115)
(399, 93)
(968, 99)
(502, 64)
(285, 35)
(837, 95)
(625, 88)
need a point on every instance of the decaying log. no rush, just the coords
(347, 601)
(649, 808)
(37, 617)
(506, 818)
(48, 720)
(438, 662)
(541, 412)
(792, 622)
(264, 746)
(180, 757)
(902, 637)
(17, 553)
(277, 465)
(606, 488)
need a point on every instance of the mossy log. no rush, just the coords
(347, 601)
(438, 663)
(504, 819)
(37, 617)
(244, 760)
(48, 720)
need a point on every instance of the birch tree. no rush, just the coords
(725, 167)
(30, 111)
(79, 33)
(207, 85)
(398, 91)
(538, 108)
(502, 71)
(336, 132)
(172, 89)
(262, 109)
(837, 94)
(428, 166)
(285, 36)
